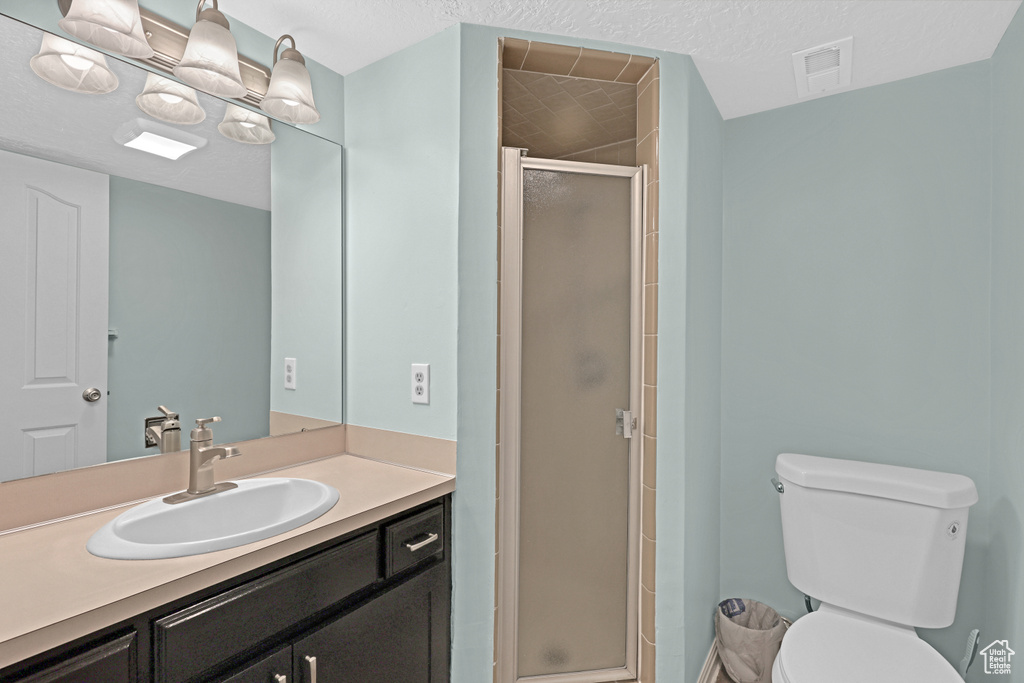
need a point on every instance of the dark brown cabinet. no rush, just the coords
(113, 661)
(274, 668)
(233, 623)
(395, 637)
(373, 606)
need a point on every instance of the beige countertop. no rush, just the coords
(53, 591)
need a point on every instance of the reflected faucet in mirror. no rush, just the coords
(202, 455)
(163, 431)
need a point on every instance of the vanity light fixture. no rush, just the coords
(242, 125)
(169, 101)
(71, 66)
(290, 94)
(114, 25)
(157, 138)
(210, 62)
(206, 58)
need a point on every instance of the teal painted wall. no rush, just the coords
(473, 515)
(402, 217)
(307, 270)
(1004, 592)
(688, 404)
(701, 429)
(193, 315)
(856, 308)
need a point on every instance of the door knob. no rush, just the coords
(92, 394)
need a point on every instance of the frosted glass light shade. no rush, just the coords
(170, 101)
(290, 93)
(210, 62)
(114, 25)
(71, 66)
(242, 125)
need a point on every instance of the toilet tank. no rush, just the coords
(880, 540)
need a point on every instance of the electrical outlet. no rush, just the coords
(290, 374)
(421, 383)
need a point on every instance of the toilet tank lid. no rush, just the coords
(923, 487)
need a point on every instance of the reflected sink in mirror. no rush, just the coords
(256, 510)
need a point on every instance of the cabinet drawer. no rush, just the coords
(112, 662)
(274, 668)
(414, 540)
(207, 634)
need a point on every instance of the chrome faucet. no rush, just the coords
(202, 455)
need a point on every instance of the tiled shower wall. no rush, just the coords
(565, 61)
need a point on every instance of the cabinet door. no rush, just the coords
(208, 635)
(112, 662)
(274, 668)
(394, 637)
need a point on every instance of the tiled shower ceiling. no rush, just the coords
(558, 116)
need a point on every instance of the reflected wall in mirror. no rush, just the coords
(183, 283)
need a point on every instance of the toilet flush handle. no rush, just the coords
(778, 485)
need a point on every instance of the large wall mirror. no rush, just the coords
(180, 283)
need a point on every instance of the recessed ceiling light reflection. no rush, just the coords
(157, 138)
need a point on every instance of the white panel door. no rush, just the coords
(54, 233)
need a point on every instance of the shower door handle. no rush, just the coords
(625, 423)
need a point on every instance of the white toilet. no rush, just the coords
(882, 547)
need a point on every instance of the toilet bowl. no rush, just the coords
(882, 547)
(836, 646)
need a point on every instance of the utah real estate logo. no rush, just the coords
(997, 657)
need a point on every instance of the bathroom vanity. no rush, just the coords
(365, 607)
(362, 593)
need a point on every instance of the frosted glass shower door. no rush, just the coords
(578, 339)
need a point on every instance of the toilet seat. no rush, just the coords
(843, 647)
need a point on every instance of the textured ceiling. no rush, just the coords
(742, 48)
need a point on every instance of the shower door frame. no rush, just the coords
(514, 162)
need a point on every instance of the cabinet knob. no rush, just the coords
(312, 668)
(278, 678)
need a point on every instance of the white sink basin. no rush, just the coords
(257, 509)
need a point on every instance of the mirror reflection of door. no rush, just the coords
(54, 224)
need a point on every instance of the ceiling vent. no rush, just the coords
(822, 68)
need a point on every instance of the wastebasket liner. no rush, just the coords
(749, 634)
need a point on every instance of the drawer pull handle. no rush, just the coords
(413, 547)
(312, 668)
(278, 678)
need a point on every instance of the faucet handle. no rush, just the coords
(168, 413)
(201, 422)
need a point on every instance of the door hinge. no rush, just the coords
(625, 423)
